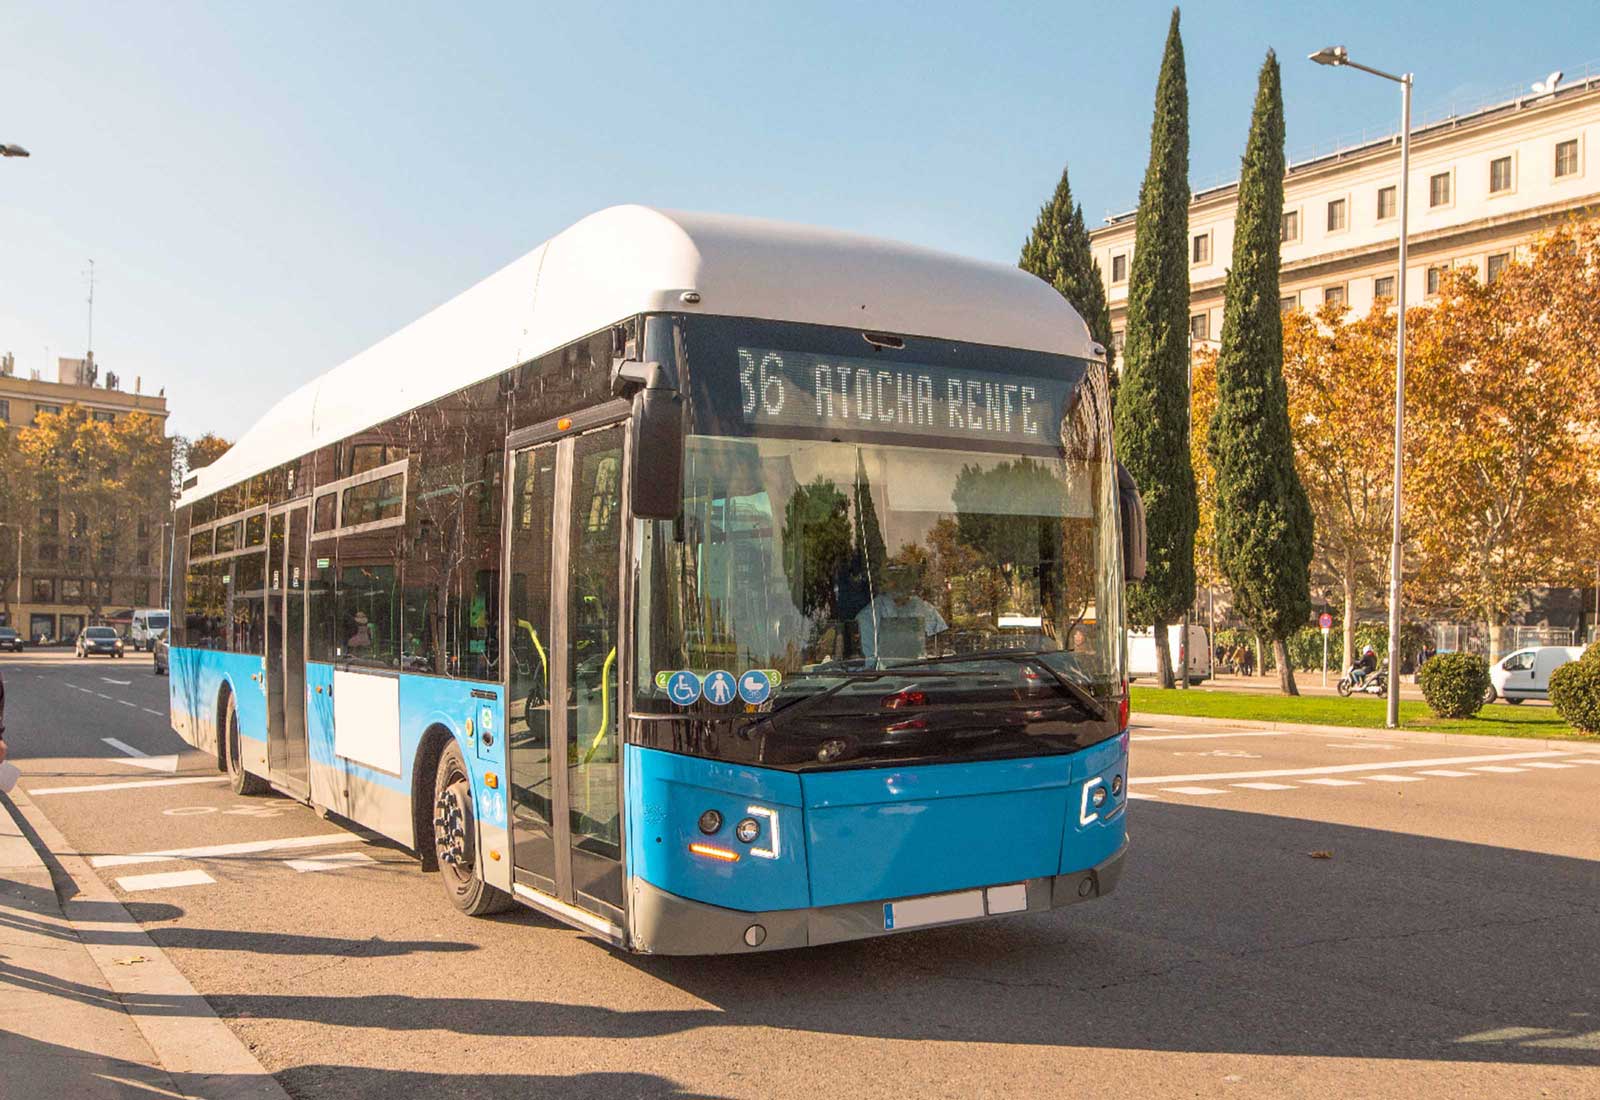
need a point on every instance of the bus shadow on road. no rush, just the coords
(1228, 935)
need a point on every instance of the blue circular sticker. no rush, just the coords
(755, 687)
(683, 687)
(719, 689)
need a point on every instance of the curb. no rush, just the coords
(188, 1039)
(1153, 721)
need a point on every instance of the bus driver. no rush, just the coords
(899, 621)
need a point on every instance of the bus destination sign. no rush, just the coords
(804, 389)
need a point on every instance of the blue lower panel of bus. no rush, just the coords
(868, 834)
(195, 681)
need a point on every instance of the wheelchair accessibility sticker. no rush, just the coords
(683, 688)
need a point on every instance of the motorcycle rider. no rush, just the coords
(1366, 666)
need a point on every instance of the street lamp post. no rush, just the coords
(1339, 56)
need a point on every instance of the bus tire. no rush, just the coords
(243, 782)
(455, 839)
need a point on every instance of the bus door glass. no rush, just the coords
(563, 607)
(277, 581)
(296, 766)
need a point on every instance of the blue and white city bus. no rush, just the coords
(710, 584)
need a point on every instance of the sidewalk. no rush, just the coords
(89, 1005)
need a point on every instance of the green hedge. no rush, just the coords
(1454, 684)
(1575, 691)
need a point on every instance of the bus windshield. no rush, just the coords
(945, 560)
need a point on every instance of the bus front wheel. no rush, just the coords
(243, 782)
(455, 840)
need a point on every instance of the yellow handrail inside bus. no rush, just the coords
(544, 663)
(605, 706)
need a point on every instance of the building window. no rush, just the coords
(1439, 189)
(1497, 265)
(1119, 268)
(1333, 296)
(44, 590)
(144, 527)
(1336, 215)
(1288, 303)
(1435, 278)
(74, 553)
(1200, 327)
(41, 410)
(71, 590)
(5, 411)
(1383, 287)
(1289, 227)
(1386, 202)
(46, 552)
(1200, 249)
(1499, 175)
(49, 519)
(1118, 339)
(104, 417)
(144, 555)
(1566, 158)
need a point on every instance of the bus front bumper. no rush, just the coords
(665, 924)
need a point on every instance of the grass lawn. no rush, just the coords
(1500, 720)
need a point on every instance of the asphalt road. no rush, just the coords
(1447, 945)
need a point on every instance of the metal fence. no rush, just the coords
(1472, 638)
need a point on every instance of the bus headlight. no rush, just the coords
(710, 822)
(1098, 798)
(747, 830)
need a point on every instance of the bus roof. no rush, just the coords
(627, 260)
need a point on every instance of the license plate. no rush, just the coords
(944, 908)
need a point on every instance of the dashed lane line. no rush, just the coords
(1326, 782)
(1498, 770)
(1395, 778)
(157, 713)
(1195, 790)
(164, 880)
(1338, 769)
(1204, 736)
(248, 847)
(1545, 764)
(125, 703)
(1266, 786)
(1446, 773)
(129, 784)
(329, 863)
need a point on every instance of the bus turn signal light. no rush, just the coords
(712, 852)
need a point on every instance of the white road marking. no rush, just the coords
(86, 691)
(119, 683)
(1338, 769)
(102, 695)
(1362, 746)
(1266, 786)
(141, 759)
(329, 863)
(131, 784)
(1396, 778)
(164, 880)
(1334, 782)
(157, 713)
(1586, 760)
(1498, 770)
(125, 703)
(1195, 790)
(1544, 764)
(241, 849)
(1145, 797)
(1204, 736)
(1446, 773)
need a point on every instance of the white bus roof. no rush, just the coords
(627, 260)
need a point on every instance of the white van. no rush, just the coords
(1525, 674)
(148, 625)
(1142, 652)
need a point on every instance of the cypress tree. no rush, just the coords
(1058, 252)
(1152, 411)
(1263, 524)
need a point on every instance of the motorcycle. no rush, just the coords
(1375, 683)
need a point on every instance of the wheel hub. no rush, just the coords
(452, 835)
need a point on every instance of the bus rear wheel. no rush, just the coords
(455, 840)
(243, 782)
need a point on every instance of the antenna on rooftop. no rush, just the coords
(91, 309)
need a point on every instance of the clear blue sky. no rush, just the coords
(267, 189)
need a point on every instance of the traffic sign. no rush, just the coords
(1325, 621)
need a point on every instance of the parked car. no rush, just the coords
(146, 625)
(1525, 674)
(10, 639)
(99, 639)
(159, 650)
(1142, 653)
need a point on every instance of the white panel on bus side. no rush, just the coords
(366, 719)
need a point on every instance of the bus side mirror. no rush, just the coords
(1133, 533)
(656, 443)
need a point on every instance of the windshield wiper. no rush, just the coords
(1084, 700)
(803, 702)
